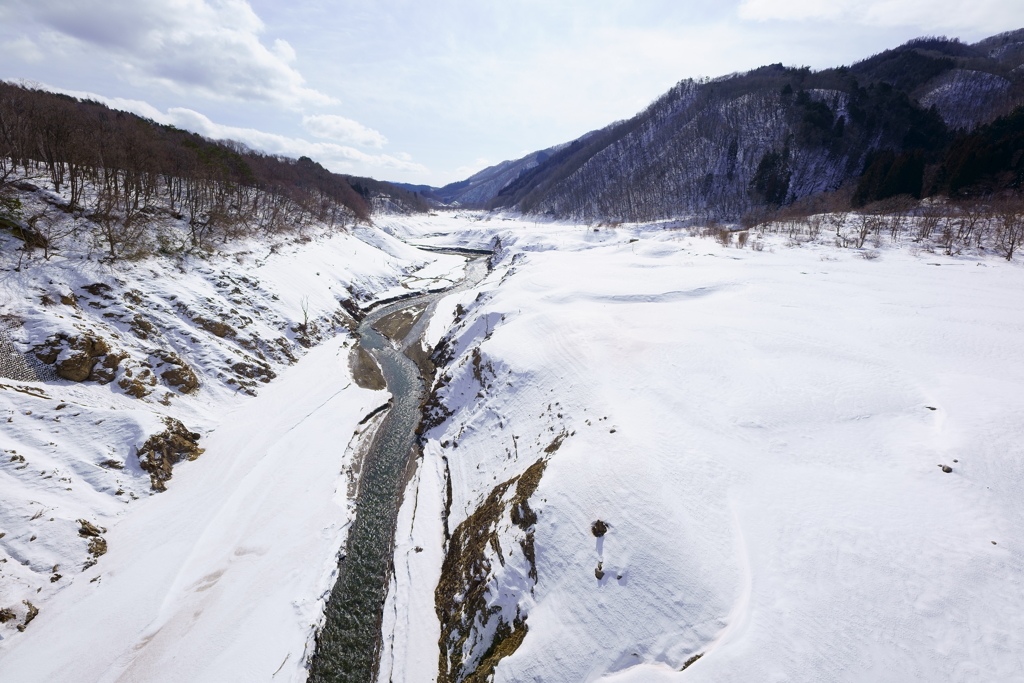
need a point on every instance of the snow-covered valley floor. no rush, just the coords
(760, 433)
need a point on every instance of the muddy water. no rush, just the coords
(347, 648)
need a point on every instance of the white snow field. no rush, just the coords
(762, 432)
(219, 578)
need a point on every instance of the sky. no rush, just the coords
(424, 91)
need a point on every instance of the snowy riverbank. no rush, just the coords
(762, 432)
(223, 575)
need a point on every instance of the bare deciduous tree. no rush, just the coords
(120, 171)
(1009, 215)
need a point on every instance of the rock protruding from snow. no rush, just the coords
(489, 568)
(163, 451)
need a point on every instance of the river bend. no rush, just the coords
(348, 646)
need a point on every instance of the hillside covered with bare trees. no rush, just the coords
(932, 117)
(111, 177)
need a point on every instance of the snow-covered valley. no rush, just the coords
(231, 563)
(644, 452)
(761, 432)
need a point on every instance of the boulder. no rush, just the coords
(163, 451)
(73, 356)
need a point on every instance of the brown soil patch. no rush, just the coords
(181, 378)
(30, 613)
(142, 328)
(420, 355)
(215, 327)
(84, 352)
(397, 325)
(105, 372)
(691, 660)
(89, 529)
(365, 370)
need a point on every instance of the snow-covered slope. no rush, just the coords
(967, 98)
(221, 576)
(642, 447)
(484, 185)
(762, 433)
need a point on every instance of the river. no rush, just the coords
(348, 646)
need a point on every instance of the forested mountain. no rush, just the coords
(919, 119)
(116, 168)
(483, 185)
(932, 116)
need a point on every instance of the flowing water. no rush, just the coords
(347, 647)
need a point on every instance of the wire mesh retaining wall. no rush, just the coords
(18, 366)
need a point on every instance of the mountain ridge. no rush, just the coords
(718, 148)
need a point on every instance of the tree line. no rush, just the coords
(951, 226)
(118, 170)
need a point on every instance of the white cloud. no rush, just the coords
(936, 15)
(340, 129)
(23, 48)
(337, 158)
(206, 47)
(762, 10)
(284, 51)
(470, 169)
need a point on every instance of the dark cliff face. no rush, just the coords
(771, 136)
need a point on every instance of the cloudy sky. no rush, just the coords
(430, 91)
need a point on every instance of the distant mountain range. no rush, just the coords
(919, 119)
(482, 186)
